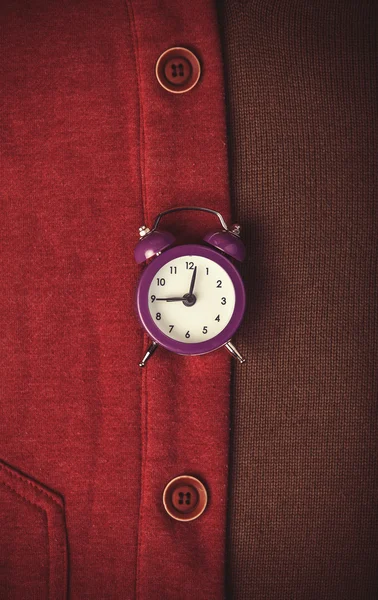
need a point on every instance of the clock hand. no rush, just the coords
(193, 281)
(187, 300)
(171, 299)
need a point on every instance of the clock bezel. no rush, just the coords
(147, 321)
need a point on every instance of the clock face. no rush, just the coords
(191, 299)
(205, 313)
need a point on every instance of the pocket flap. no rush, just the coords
(33, 539)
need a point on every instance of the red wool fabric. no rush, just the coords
(93, 148)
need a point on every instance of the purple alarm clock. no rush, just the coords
(190, 298)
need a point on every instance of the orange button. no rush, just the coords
(185, 498)
(178, 70)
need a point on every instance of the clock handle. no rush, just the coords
(180, 208)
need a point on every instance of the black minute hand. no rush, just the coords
(193, 281)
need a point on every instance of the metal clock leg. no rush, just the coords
(148, 354)
(231, 348)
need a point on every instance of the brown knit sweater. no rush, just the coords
(301, 97)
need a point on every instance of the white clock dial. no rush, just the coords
(213, 306)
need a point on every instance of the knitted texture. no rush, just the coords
(301, 98)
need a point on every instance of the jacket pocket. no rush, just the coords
(33, 539)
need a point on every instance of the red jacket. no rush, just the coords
(95, 147)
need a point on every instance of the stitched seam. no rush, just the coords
(33, 485)
(140, 108)
(49, 551)
(143, 475)
(42, 510)
(144, 392)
